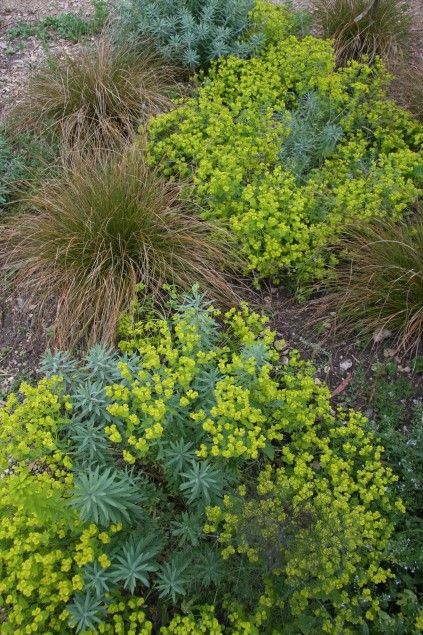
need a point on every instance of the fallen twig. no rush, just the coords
(344, 383)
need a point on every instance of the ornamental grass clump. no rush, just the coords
(407, 86)
(90, 236)
(379, 285)
(366, 27)
(189, 482)
(102, 90)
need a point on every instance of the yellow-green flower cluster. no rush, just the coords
(206, 623)
(127, 618)
(43, 544)
(230, 137)
(29, 425)
(319, 522)
(304, 504)
(237, 425)
(43, 548)
(38, 574)
(274, 22)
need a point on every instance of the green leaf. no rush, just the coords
(269, 451)
(201, 482)
(106, 496)
(97, 579)
(178, 455)
(135, 563)
(86, 612)
(189, 529)
(172, 579)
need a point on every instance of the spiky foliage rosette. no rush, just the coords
(192, 32)
(365, 27)
(104, 226)
(286, 150)
(98, 92)
(210, 475)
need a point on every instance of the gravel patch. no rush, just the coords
(20, 56)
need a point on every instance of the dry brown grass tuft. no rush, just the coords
(365, 27)
(103, 90)
(91, 235)
(407, 86)
(380, 284)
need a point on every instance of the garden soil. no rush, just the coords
(20, 56)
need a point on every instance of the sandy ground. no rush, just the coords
(19, 56)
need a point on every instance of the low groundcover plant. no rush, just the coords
(143, 487)
(286, 150)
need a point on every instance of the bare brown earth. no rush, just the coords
(19, 56)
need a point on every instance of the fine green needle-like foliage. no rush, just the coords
(105, 496)
(86, 612)
(135, 562)
(172, 579)
(200, 481)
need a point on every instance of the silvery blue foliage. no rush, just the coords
(313, 133)
(101, 362)
(59, 363)
(193, 32)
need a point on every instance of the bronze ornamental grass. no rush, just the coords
(365, 27)
(379, 286)
(89, 236)
(102, 90)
